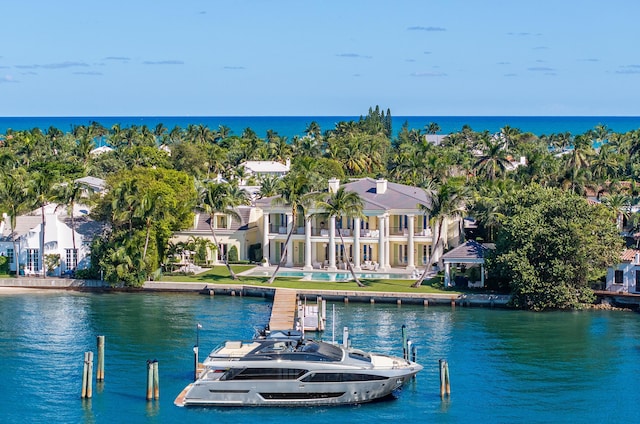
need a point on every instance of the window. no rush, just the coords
(402, 253)
(33, 259)
(426, 253)
(637, 280)
(263, 374)
(10, 258)
(71, 259)
(619, 277)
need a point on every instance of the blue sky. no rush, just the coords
(311, 58)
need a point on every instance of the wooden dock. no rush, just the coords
(283, 311)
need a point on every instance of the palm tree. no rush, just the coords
(13, 192)
(222, 199)
(150, 206)
(294, 191)
(68, 194)
(448, 202)
(340, 204)
(39, 189)
(493, 162)
(620, 205)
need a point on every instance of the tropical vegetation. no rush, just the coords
(157, 178)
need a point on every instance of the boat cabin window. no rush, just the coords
(263, 374)
(361, 356)
(338, 377)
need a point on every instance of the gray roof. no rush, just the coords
(24, 224)
(202, 220)
(469, 250)
(396, 196)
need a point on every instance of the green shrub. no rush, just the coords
(233, 254)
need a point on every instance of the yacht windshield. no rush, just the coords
(331, 352)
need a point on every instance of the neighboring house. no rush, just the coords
(100, 150)
(92, 185)
(393, 233)
(470, 254)
(229, 231)
(25, 240)
(263, 168)
(625, 276)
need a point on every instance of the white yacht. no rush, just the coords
(287, 369)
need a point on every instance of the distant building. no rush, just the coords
(263, 168)
(625, 276)
(25, 240)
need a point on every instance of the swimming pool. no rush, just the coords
(327, 276)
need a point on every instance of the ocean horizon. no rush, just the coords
(291, 126)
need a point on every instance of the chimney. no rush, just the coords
(637, 258)
(523, 160)
(381, 186)
(288, 164)
(334, 185)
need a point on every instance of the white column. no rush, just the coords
(356, 244)
(411, 263)
(307, 245)
(289, 262)
(381, 238)
(482, 274)
(387, 244)
(332, 244)
(447, 274)
(265, 238)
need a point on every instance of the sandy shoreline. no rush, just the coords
(20, 290)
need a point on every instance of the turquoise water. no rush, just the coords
(295, 125)
(326, 276)
(505, 366)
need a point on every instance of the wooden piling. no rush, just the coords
(156, 380)
(149, 379)
(100, 370)
(426, 303)
(87, 376)
(399, 302)
(85, 368)
(445, 386)
(414, 354)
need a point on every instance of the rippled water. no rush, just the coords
(506, 366)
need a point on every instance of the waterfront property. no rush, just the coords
(64, 248)
(394, 232)
(470, 255)
(625, 276)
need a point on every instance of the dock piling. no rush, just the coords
(100, 370)
(445, 386)
(149, 379)
(156, 380)
(87, 376)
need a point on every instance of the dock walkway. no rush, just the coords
(283, 311)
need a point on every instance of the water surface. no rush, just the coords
(506, 366)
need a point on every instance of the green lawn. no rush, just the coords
(220, 275)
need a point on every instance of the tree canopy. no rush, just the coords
(551, 245)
